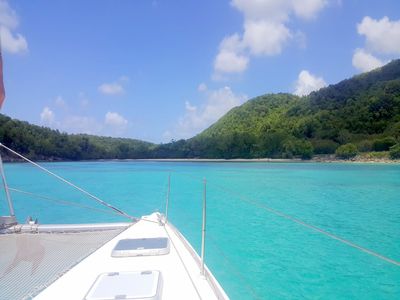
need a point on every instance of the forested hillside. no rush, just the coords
(360, 114)
(46, 144)
(363, 110)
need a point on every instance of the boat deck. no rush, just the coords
(180, 268)
(32, 258)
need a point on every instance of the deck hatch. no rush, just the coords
(127, 285)
(141, 247)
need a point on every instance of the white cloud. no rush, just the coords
(195, 119)
(229, 59)
(47, 116)
(111, 88)
(11, 42)
(265, 31)
(382, 36)
(278, 10)
(113, 123)
(365, 61)
(232, 43)
(265, 38)
(114, 88)
(274, 10)
(382, 42)
(8, 16)
(115, 120)
(307, 83)
(307, 9)
(71, 123)
(230, 62)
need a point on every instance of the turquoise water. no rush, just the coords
(254, 253)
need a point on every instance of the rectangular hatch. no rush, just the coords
(141, 247)
(144, 285)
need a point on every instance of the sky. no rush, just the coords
(159, 70)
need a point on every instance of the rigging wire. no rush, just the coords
(300, 222)
(223, 255)
(63, 202)
(119, 211)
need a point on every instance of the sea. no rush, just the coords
(263, 218)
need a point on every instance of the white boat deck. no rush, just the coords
(180, 268)
(34, 256)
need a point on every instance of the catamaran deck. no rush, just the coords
(32, 258)
(179, 269)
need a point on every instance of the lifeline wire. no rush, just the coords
(302, 223)
(64, 202)
(71, 184)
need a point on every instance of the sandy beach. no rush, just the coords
(319, 159)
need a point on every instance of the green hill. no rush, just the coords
(41, 143)
(363, 111)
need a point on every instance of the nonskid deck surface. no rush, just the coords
(31, 261)
(179, 268)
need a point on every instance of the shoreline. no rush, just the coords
(319, 159)
(268, 160)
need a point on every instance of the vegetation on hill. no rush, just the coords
(363, 110)
(360, 114)
(42, 143)
(346, 151)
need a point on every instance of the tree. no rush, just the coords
(346, 151)
(384, 144)
(300, 148)
(395, 152)
(324, 146)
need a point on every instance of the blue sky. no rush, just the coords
(161, 70)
